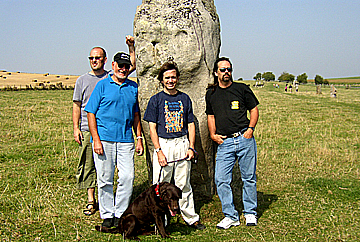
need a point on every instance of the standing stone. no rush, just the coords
(188, 32)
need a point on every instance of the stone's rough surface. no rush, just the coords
(188, 32)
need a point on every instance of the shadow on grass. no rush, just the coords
(336, 189)
(138, 189)
(264, 202)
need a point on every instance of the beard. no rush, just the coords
(227, 78)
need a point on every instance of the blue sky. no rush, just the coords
(312, 36)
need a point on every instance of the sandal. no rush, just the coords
(91, 208)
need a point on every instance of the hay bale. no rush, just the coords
(60, 85)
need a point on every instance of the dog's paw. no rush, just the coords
(102, 229)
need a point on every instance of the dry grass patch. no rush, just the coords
(21, 80)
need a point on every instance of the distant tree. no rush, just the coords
(286, 77)
(240, 79)
(257, 77)
(318, 80)
(326, 82)
(302, 78)
(268, 76)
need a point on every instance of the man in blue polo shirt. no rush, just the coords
(112, 112)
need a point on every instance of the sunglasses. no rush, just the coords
(225, 69)
(127, 66)
(94, 57)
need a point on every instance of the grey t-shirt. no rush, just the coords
(84, 86)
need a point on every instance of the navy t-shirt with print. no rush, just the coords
(171, 113)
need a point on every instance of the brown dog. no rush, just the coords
(148, 208)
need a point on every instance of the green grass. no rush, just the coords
(308, 171)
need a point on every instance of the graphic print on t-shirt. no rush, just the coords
(235, 105)
(174, 112)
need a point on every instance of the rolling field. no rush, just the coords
(308, 171)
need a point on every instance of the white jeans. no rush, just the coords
(120, 155)
(175, 149)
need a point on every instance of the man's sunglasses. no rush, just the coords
(95, 57)
(225, 69)
(127, 66)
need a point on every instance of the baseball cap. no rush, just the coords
(122, 58)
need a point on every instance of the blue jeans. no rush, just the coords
(245, 151)
(120, 155)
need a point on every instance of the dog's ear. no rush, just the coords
(163, 192)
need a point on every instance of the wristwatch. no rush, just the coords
(157, 150)
(253, 128)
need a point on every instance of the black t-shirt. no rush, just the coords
(230, 106)
(171, 113)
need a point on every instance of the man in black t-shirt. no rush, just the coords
(227, 104)
(172, 131)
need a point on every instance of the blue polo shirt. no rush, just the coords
(114, 107)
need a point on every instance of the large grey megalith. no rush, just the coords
(188, 32)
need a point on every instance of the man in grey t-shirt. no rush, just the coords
(86, 173)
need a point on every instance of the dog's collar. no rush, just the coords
(157, 190)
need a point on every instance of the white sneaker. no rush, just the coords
(227, 223)
(251, 220)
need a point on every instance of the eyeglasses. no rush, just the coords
(225, 69)
(95, 57)
(127, 66)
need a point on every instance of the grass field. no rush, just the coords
(345, 80)
(308, 171)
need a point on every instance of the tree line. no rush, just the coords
(287, 77)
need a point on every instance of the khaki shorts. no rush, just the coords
(86, 173)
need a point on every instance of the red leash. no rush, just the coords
(157, 184)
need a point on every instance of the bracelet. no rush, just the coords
(193, 150)
(139, 137)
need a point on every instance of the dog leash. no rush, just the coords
(174, 161)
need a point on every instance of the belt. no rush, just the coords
(237, 134)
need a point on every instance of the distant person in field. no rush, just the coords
(113, 111)
(286, 87)
(227, 106)
(86, 173)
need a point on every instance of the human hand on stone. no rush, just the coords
(130, 41)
